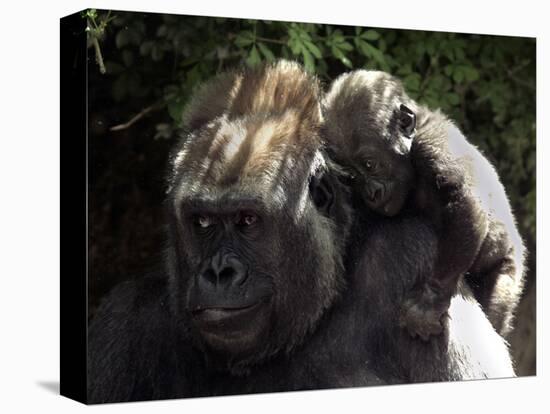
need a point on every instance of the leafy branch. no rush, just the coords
(96, 29)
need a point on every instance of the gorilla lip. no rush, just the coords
(214, 315)
(231, 329)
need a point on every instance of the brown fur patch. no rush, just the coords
(261, 116)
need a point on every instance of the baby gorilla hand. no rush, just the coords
(423, 313)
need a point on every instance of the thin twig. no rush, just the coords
(98, 56)
(151, 108)
(265, 39)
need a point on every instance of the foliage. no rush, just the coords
(485, 83)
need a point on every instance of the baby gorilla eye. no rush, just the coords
(370, 165)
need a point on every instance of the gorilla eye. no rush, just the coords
(203, 221)
(370, 165)
(247, 219)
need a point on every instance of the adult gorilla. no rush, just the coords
(256, 295)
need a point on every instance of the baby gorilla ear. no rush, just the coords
(407, 121)
(322, 193)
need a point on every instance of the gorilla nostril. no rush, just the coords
(373, 194)
(210, 276)
(227, 273)
(378, 194)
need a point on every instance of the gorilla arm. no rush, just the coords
(396, 253)
(462, 193)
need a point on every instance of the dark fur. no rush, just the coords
(439, 175)
(329, 319)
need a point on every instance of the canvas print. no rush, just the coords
(274, 206)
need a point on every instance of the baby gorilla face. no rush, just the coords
(369, 133)
(382, 176)
(385, 171)
(378, 162)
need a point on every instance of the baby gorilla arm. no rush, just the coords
(447, 191)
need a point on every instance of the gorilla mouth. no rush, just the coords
(233, 330)
(221, 314)
(228, 321)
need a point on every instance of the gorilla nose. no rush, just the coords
(224, 269)
(375, 191)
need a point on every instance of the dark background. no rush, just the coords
(143, 67)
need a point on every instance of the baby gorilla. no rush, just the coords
(402, 157)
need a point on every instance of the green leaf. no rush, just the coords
(345, 46)
(341, 56)
(471, 73)
(157, 53)
(420, 49)
(382, 45)
(175, 108)
(309, 63)
(295, 45)
(193, 76)
(304, 36)
(122, 38)
(338, 36)
(127, 57)
(453, 98)
(346, 62)
(459, 53)
(430, 48)
(371, 52)
(458, 75)
(127, 37)
(162, 30)
(449, 54)
(244, 38)
(412, 82)
(254, 57)
(337, 53)
(404, 69)
(268, 54)
(146, 47)
(314, 49)
(370, 35)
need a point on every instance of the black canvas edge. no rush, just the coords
(74, 208)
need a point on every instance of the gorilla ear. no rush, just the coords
(322, 193)
(407, 120)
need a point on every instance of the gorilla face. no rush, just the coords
(257, 260)
(230, 294)
(381, 176)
